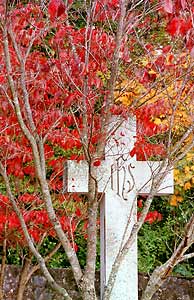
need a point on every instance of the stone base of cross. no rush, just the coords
(121, 178)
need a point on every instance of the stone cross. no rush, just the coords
(120, 178)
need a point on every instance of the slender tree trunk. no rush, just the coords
(33, 249)
(28, 270)
(3, 266)
(88, 291)
(38, 153)
(161, 273)
(87, 284)
(23, 278)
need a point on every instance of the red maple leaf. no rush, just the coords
(178, 26)
(56, 8)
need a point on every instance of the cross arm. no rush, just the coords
(76, 176)
(145, 171)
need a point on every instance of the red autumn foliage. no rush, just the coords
(97, 163)
(179, 26)
(56, 74)
(56, 8)
(151, 217)
(180, 19)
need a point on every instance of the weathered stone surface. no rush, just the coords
(121, 178)
(175, 288)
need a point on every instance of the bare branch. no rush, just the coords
(29, 240)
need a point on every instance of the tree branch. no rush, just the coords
(29, 241)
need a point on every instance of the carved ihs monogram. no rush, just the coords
(122, 180)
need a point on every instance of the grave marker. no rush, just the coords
(121, 178)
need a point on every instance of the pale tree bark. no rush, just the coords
(28, 270)
(23, 277)
(161, 273)
(120, 33)
(87, 283)
(3, 268)
(29, 240)
(85, 280)
(38, 153)
(88, 280)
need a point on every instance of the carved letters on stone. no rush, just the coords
(122, 180)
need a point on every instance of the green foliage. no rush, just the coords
(59, 260)
(154, 245)
(82, 243)
(156, 242)
(82, 246)
(14, 256)
(77, 9)
(2, 188)
(184, 269)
